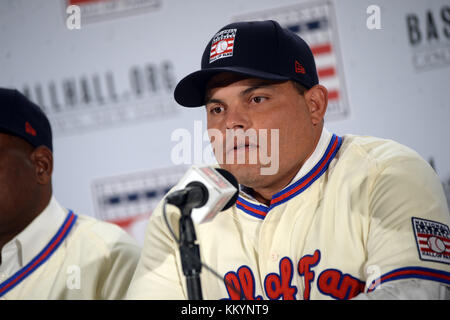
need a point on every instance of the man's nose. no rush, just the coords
(237, 118)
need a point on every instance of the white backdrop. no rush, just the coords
(107, 87)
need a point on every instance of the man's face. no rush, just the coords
(17, 178)
(239, 105)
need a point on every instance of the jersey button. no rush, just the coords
(274, 256)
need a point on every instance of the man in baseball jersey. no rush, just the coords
(47, 251)
(342, 217)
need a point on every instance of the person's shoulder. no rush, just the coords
(378, 150)
(102, 235)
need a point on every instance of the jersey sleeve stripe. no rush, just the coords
(412, 272)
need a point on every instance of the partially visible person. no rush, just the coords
(47, 251)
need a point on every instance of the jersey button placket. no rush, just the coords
(269, 258)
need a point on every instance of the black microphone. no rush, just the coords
(195, 194)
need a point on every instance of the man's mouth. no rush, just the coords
(243, 147)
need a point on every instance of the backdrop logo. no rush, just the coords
(91, 101)
(95, 10)
(429, 38)
(316, 24)
(128, 200)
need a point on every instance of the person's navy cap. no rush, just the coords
(260, 49)
(22, 118)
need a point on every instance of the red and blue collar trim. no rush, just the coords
(42, 257)
(260, 211)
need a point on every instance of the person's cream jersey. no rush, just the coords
(62, 255)
(362, 214)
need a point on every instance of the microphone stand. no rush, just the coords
(190, 255)
(194, 196)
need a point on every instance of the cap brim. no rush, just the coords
(190, 91)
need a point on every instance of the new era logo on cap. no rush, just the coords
(299, 68)
(222, 44)
(29, 129)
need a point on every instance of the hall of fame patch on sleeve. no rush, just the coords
(432, 239)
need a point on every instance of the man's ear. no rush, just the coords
(42, 158)
(317, 101)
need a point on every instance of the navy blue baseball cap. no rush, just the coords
(260, 49)
(22, 118)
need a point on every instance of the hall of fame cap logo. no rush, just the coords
(222, 45)
(314, 22)
(432, 239)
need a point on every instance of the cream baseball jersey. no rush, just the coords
(62, 255)
(362, 212)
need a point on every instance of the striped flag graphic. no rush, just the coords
(315, 23)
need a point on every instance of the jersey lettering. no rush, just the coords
(277, 286)
(241, 284)
(331, 282)
(304, 269)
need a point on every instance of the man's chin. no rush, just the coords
(246, 174)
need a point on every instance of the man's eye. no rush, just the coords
(258, 99)
(216, 110)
